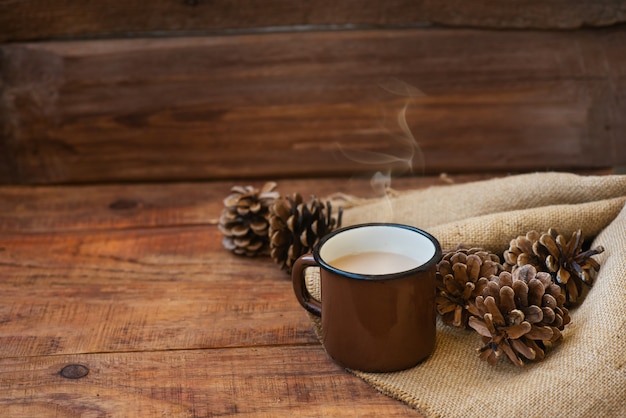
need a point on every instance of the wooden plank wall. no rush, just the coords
(193, 90)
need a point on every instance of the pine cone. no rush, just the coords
(555, 314)
(296, 226)
(244, 221)
(518, 315)
(522, 251)
(569, 265)
(462, 274)
(565, 260)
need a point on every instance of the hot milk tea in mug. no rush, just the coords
(373, 262)
(378, 290)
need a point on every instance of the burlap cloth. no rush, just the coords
(584, 376)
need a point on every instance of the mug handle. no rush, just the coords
(299, 284)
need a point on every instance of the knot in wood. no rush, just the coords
(74, 371)
(123, 204)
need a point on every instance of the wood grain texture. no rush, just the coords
(164, 321)
(317, 103)
(152, 289)
(255, 381)
(124, 206)
(45, 19)
(159, 278)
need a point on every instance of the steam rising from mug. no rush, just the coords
(410, 154)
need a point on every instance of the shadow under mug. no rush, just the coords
(380, 322)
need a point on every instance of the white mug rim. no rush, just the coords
(424, 266)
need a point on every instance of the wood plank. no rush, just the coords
(140, 289)
(324, 103)
(45, 19)
(259, 381)
(120, 206)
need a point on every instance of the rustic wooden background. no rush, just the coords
(137, 117)
(184, 90)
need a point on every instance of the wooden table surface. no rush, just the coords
(119, 300)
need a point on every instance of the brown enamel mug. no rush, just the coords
(378, 290)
